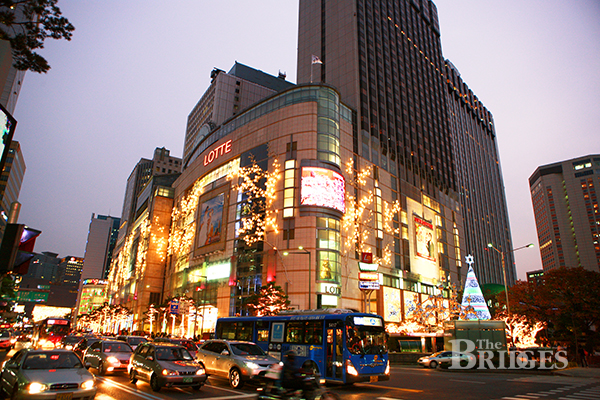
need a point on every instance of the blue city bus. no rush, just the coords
(343, 346)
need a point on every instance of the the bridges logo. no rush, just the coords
(489, 355)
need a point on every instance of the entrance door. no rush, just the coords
(334, 365)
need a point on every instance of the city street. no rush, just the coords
(406, 383)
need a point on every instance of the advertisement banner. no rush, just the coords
(424, 235)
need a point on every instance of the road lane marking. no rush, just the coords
(459, 380)
(148, 396)
(388, 387)
(130, 390)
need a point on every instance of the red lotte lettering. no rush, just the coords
(217, 152)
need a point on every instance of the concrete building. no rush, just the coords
(162, 163)
(137, 275)
(565, 205)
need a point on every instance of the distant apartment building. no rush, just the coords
(536, 276)
(11, 180)
(567, 217)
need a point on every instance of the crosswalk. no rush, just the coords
(569, 389)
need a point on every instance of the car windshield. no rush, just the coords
(116, 348)
(136, 340)
(246, 349)
(72, 339)
(52, 360)
(4, 334)
(172, 354)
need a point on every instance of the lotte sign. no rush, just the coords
(217, 152)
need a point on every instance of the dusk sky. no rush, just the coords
(134, 70)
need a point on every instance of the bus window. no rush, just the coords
(236, 330)
(314, 332)
(262, 331)
(295, 332)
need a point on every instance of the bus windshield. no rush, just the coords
(365, 340)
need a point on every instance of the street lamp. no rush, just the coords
(491, 246)
(302, 250)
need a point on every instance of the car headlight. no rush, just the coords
(424, 359)
(252, 365)
(169, 372)
(42, 342)
(200, 371)
(36, 387)
(69, 347)
(88, 384)
(113, 360)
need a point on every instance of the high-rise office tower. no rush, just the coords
(385, 58)
(102, 237)
(479, 178)
(565, 205)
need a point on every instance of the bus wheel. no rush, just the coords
(311, 366)
(235, 378)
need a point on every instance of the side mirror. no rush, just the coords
(88, 365)
(225, 353)
(150, 358)
(11, 365)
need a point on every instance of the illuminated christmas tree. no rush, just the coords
(472, 295)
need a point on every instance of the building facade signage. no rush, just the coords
(217, 152)
(366, 258)
(328, 288)
(367, 267)
(369, 285)
(368, 276)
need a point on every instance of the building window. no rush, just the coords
(289, 190)
(328, 249)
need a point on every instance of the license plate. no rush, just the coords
(185, 380)
(374, 379)
(64, 396)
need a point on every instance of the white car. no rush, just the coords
(443, 357)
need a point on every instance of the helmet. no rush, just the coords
(290, 355)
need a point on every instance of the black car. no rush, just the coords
(70, 341)
(85, 342)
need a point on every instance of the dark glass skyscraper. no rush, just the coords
(385, 58)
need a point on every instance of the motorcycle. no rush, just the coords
(270, 388)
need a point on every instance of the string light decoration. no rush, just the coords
(360, 214)
(521, 331)
(257, 190)
(430, 314)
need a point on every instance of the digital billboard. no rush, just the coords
(322, 187)
(7, 126)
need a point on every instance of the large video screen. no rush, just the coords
(7, 128)
(322, 187)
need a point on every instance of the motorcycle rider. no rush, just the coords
(291, 375)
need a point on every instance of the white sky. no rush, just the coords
(134, 70)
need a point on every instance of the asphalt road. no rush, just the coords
(406, 383)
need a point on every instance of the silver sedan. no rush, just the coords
(234, 360)
(46, 374)
(108, 356)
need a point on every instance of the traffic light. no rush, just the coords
(17, 248)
